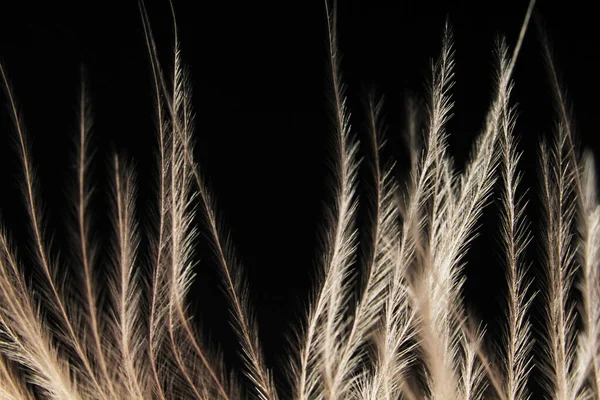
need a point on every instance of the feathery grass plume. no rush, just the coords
(390, 325)
(85, 246)
(322, 337)
(566, 367)
(515, 235)
(385, 284)
(245, 326)
(53, 292)
(124, 286)
(201, 369)
(436, 288)
(559, 209)
(586, 371)
(570, 365)
(179, 338)
(24, 337)
(454, 210)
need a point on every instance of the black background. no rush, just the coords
(258, 74)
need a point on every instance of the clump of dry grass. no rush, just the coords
(389, 325)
